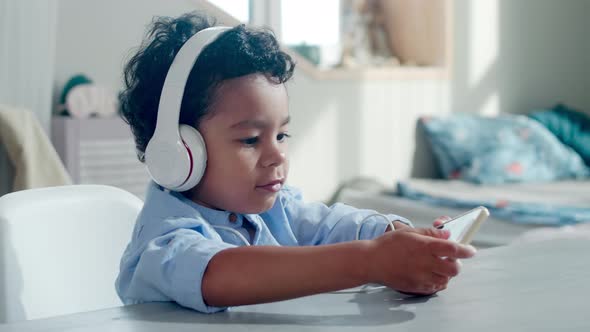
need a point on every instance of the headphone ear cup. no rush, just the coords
(195, 145)
(168, 163)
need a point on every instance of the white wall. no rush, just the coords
(27, 49)
(344, 129)
(96, 37)
(510, 56)
(515, 56)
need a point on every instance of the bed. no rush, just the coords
(530, 171)
(497, 230)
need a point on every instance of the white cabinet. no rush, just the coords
(99, 151)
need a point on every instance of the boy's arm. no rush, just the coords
(315, 223)
(259, 274)
(407, 260)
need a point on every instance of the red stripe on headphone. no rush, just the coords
(190, 156)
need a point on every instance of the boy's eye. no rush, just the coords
(249, 140)
(282, 136)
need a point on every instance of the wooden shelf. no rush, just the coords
(369, 73)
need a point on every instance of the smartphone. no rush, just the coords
(464, 226)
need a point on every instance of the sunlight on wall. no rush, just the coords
(491, 106)
(483, 48)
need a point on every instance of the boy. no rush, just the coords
(219, 227)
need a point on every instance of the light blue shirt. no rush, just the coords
(174, 239)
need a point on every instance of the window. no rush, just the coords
(240, 9)
(312, 28)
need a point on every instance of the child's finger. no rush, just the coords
(440, 220)
(440, 279)
(433, 232)
(446, 268)
(441, 248)
(399, 225)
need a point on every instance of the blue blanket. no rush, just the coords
(517, 212)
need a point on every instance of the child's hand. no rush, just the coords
(415, 260)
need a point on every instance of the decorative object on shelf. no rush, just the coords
(416, 30)
(364, 36)
(81, 98)
(311, 52)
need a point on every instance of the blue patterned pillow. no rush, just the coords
(507, 148)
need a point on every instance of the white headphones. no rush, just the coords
(176, 156)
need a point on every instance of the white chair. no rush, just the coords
(60, 249)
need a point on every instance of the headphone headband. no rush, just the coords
(175, 82)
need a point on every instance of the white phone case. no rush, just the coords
(464, 226)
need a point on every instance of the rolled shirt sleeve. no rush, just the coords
(169, 268)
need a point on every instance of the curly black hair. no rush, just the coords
(238, 52)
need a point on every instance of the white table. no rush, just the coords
(530, 287)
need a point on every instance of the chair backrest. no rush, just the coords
(60, 249)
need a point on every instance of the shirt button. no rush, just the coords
(232, 217)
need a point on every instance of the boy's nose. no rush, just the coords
(275, 156)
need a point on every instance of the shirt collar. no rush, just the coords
(212, 216)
